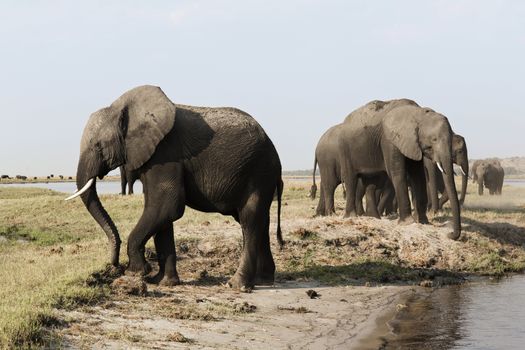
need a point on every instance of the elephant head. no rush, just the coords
(460, 157)
(418, 132)
(126, 132)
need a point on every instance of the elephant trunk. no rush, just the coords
(450, 187)
(464, 183)
(480, 185)
(97, 211)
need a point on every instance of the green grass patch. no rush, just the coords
(365, 270)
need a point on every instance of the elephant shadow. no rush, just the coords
(502, 232)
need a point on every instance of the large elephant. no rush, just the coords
(490, 174)
(435, 183)
(328, 156)
(394, 136)
(128, 178)
(211, 159)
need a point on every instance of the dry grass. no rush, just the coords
(49, 248)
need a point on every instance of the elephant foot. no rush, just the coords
(240, 283)
(423, 220)
(406, 221)
(264, 279)
(170, 281)
(138, 269)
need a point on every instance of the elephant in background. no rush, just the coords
(435, 183)
(211, 159)
(127, 178)
(328, 158)
(394, 137)
(490, 174)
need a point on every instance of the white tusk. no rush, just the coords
(82, 190)
(462, 171)
(440, 167)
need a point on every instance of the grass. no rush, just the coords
(53, 254)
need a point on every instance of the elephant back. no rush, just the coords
(372, 113)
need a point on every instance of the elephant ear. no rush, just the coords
(401, 128)
(147, 116)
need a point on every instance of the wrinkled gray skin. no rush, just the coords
(127, 178)
(211, 159)
(435, 182)
(490, 174)
(394, 136)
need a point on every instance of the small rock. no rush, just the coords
(177, 337)
(183, 248)
(245, 308)
(312, 294)
(400, 307)
(206, 223)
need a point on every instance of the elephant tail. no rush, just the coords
(313, 189)
(280, 186)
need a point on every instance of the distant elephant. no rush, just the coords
(127, 178)
(435, 183)
(393, 137)
(211, 159)
(490, 174)
(327, 156)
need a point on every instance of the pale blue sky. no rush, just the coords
(297, 66)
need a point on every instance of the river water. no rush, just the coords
(103, 187)
(484, 314)
(479, 315)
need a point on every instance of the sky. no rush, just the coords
(297, 66)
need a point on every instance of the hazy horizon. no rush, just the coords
(298, 67)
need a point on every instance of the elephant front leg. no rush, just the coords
(419, 190)
(137, 239)
(166, 256)
(351, 188)
(399, 182)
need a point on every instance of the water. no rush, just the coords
(514, 182)
(103, 187)
(479, 315)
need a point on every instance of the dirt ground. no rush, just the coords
(338, 281)
(279, 317)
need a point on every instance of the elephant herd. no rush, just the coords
(221, 160)
(396, 147)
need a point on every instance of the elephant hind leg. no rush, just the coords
(328, 191)
(256, 265)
